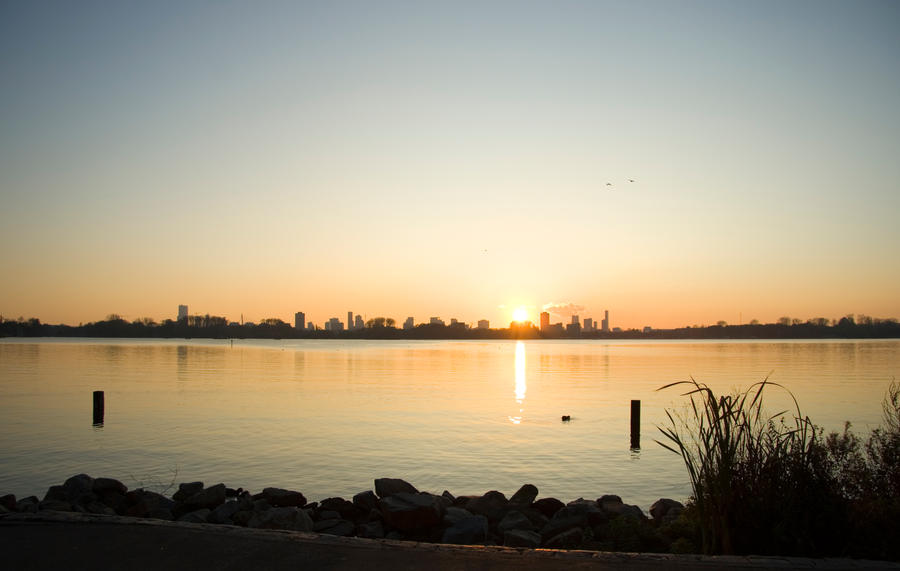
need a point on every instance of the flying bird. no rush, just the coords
(631, 180)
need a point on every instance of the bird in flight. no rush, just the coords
(631, 180)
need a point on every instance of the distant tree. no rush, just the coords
(754, 322)
(272, 322)
(145, 321)
(389, 322)
(114, 317)
(796, 321)
(377, 322)
(784, 320)
(818, 322)
(721, 323)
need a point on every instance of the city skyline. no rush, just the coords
(678, 162)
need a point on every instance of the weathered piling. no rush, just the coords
(635, 424)
(98, 408)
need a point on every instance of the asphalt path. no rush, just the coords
(50, 541)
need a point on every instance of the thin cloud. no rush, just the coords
(567, 309)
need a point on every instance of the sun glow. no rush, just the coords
(520, 314)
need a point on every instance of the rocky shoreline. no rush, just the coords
(395, 509)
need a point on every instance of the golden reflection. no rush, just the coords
(521, 386)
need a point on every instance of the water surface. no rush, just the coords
(327, 417)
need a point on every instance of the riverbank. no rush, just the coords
(393, 510)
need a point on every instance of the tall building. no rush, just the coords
(334, 324)
(358, 322)
(349, 320)
(604, 325)
(299, 320)
(409, 323)
(436, 321)
(182, 312)
(588, 324)
(575, 320)
(484, 324)
(545, 320)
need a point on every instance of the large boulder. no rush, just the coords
(209, 498)
(28, 504)
(524, 497)
(144, 503)
(569, 539)
(186, 490)
(662, 507)
(589, 509)
(345, 508)
(366, 501)
(386, 487)
(108, 485)
(548, 506)
(80, 489)
(467, 531)
(454, 514)
(408, 512)
(522, 538)
(515, 520)
(281, 498)
(371, 530)
(288, 518)
(9, 502)
(339, 527)
(493, 505)
(224, 512)
(197, 516)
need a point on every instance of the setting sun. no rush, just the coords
(520, 314)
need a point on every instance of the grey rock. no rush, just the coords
(341, 506)
(288, 518)
(589, 509)
(662, 506)
(548, 506)
(386, 487)
(329, 514)
(140, 502)
(559, 525)
(209, 498)
(281, 498)
(522, 538)
(515, 520)
(570, 539)
(262, 505)
(366, 501)
(9, 502)
(610, 503)
(56, 493)
(449, 496)
(56, 505)
(340, 527)
(4, 509)
(371, 530)
(454, 514)
(629, 510)
(196, 516)
(223, 513)
(186, 490)
(97, 507)
(242, 517)
(79, 488)
(107, 485)
(28, 504)
(524, 497)
(492, 505)
(467, 531)
(407, 511)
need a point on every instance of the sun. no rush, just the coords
(520, 314)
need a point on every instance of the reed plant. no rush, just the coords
(757, 479)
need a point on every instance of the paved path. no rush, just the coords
(74, 541)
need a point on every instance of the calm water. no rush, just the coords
(327, 417)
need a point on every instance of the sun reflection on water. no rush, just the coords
(521, 385)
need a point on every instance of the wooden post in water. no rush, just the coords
(98, 408)
(635, 425)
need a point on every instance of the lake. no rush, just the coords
(326, 417)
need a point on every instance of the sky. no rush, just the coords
(452, 159)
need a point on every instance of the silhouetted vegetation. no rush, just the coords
(774, 485)
(216, 327)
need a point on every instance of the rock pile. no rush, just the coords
(394, 510)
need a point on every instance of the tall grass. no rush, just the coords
(757, 479)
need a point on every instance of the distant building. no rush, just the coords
(310, 326)
(604, 325)
(575, 321)
(299, 320)
(453, 321)
(647, 329)
(349, 320)
(484, 324)
(182, 312)
(409, 323)
(436, 321)
(334, 325)
(588, 324)
(358, 322)
(617, 329)
(545, 321)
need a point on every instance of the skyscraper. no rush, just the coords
(182, 312)
(299, 320)
(408, 324)
(484, 324)
(604, 325)
(349, 321)
(545, 321)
